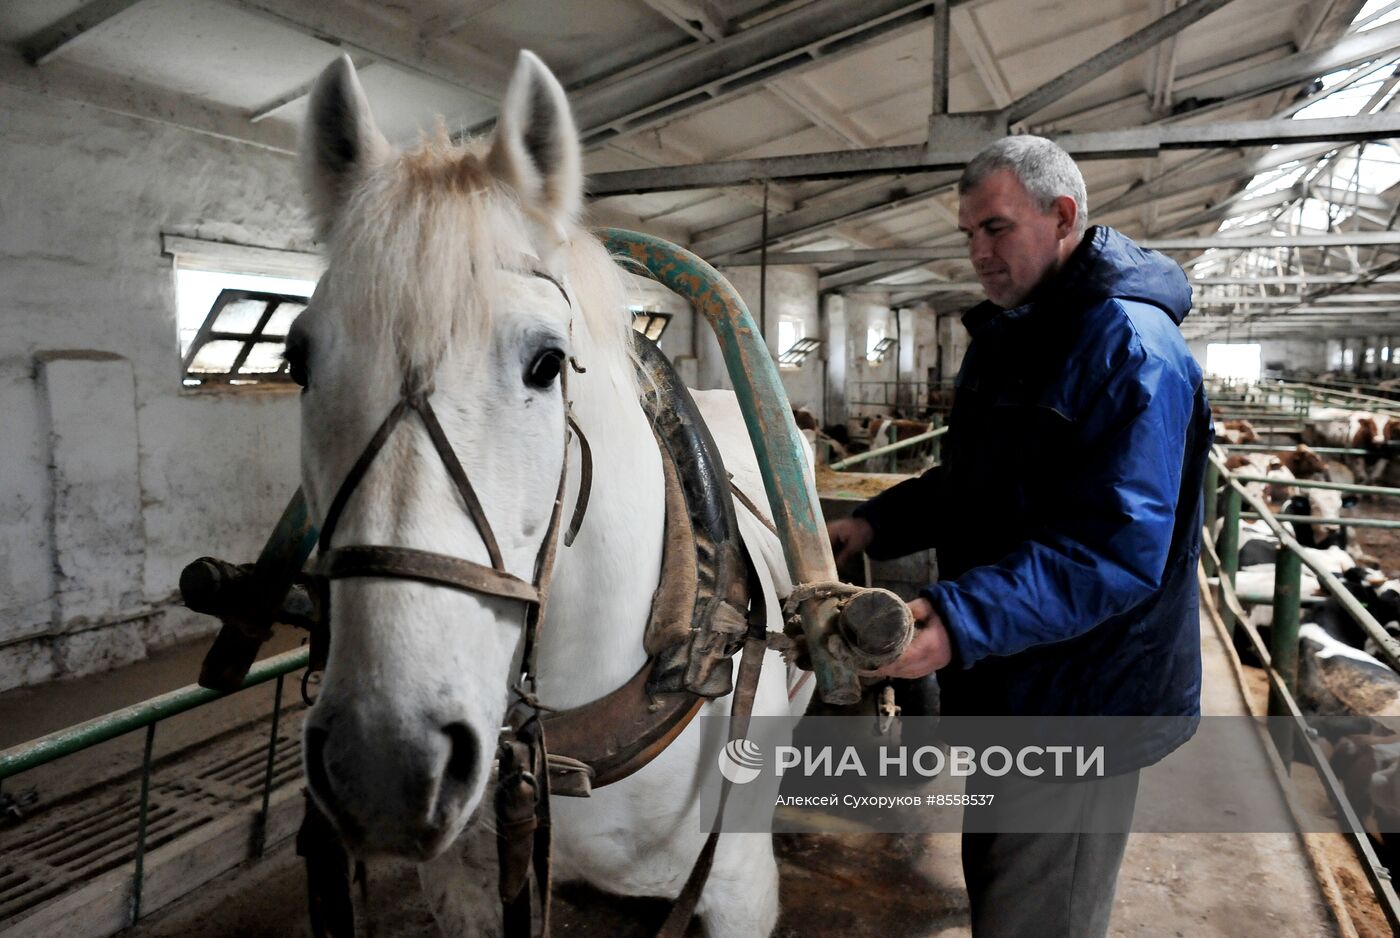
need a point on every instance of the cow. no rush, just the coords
(1368, 767)
(1264, 464)
(1353, 429)
(1237, 431)
(1304, 463)
(1336, 678)
(1319, 503)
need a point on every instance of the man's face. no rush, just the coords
(1013, 245)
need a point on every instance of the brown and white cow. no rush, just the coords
(1237, 431)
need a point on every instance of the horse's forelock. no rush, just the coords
(420, 249)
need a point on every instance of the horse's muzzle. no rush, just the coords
(400, 797)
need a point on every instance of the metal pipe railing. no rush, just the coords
(1388, 646)
(859, 458)
(1349, 487)
(1280, 657)
(147, 715)
(1291, 447)
(89, 733)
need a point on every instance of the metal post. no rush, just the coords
(260, 836)
(141, 825)
(1212, 495)
(1229, 549)
(1283, 645)
(940, 56)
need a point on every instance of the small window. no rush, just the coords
(649, 322)
(876, 342)
(233, 326)
(794, 347)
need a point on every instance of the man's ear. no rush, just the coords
(1067, 213)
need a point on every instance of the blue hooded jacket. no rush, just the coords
(1067, 511)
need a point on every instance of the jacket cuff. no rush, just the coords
(960, 642)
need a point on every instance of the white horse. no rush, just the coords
(430, 258)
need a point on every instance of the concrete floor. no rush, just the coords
(893, 886)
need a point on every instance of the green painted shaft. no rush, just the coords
(1212, 499)
(774, 436)
(75, 738)
(1229, 549)
(1283, 643)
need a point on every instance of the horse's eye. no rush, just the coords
(545, 368)
(295, 356)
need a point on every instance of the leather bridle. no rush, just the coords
(437, 569)
(522, 784)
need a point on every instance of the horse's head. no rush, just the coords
(448, 278)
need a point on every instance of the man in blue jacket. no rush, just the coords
(1066, 516)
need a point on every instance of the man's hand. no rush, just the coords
(928, 651)
(849, 537)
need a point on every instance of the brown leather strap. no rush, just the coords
(621, 732)
(365, 560)
(585, 484)
(753, 508)
(328, 870)
(357, 472)
(745, 690)
(419, 402)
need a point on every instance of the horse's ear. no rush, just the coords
(535, 148)
(339, 141)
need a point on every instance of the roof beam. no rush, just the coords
(288, 98)
(75, 27)
(955, 251)
(735, 63)
(1161, 73)
(1299, 67)
(1094, 145)
(972, 286)
(1366, 200)
(1212, 299)
(974, 43)
(746, 233)
(1115, 55)
(698, 19)
(441, 59)
(72, 82)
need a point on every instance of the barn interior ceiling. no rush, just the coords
(1250, 139)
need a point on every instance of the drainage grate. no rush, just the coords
(60, 848)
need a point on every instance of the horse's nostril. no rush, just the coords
(462, 763)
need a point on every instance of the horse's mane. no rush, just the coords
(425, 238)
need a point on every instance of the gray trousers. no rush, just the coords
(1043, 861)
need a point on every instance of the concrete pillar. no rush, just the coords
(837, 355)
(952, 345)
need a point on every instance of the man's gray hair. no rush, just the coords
(1046, 171)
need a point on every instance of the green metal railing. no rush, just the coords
(889, 450)
(1220, 563)
(146, 715)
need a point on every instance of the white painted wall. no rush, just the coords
(792, 293)
(114, 478)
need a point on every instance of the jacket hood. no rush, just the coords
(1106, 265)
